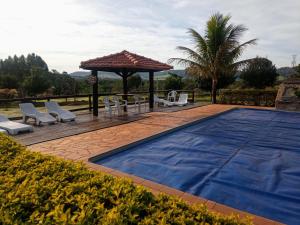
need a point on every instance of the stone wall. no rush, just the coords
(286, 98)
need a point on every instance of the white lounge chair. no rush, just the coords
(62, 115)
(3, 131)
(183, 100)
(29, 111)
(172, 96)
(158, 101)
(14, 127)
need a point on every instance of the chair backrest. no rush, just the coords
(3, 118)
(106, 102)
(183, 97)
(136, 98)
(28, 108)
(172, 95)
(52, 106)
(116, 101)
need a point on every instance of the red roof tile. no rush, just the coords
(124, 60)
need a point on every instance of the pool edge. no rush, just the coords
(160, 188)
(98, 156)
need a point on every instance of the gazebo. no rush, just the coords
(123, 64)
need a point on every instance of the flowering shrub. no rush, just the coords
(39, 189)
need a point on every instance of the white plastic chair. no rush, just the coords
(29, 111)
(172, 96)
(138, 101)
(61, 114)
(108, 108)
(119, 106)
(13, 127)
(183, 99)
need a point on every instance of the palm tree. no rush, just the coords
(217, 52)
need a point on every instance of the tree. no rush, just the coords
(15, 70)
(63, 84)
(298, 69)
(216, 53)
(173, 82)
(259, 73)
(9, 81)
(37, 82)
(134, 82)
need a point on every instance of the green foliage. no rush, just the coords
(216, 52)
(258, 97)
(298, 70)
(37, 82)
(173, 82)
(297, 93)
(38, 189)
(134, 82)
(224, 81)
(259, 73)
(63, 84)
(9, 81)
(30, 76)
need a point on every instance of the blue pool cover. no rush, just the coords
(247, 159)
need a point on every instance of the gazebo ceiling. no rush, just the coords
(124, 62)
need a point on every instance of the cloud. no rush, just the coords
(65, 32)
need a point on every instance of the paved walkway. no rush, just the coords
(83, 146)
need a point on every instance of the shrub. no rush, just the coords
(256, 97)
(38, 189)
(8, 93)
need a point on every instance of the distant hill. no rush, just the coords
(84, 74)
(284, 72)
(108, 75)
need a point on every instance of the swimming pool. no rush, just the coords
(247, 159)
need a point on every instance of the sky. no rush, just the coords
(66, 32)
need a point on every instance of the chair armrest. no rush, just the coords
(29, 114)
(125, 102)
(53, 112)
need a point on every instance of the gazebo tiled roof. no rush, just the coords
(124, 60)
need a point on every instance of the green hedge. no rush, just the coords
(39, 189)
(255, 97)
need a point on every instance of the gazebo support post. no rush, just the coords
(95, 93)
(125, 89)
(151, 90)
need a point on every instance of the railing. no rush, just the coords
(39, 101)
(248, 97)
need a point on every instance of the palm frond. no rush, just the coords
(191, 54)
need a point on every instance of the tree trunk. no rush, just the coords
(214, 91)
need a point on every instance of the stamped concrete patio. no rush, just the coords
(81, 147)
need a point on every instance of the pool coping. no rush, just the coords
(157, 188)
(98, 156)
